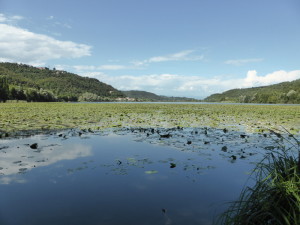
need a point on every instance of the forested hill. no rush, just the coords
(61, 85)
(286, 92)
(148, 96)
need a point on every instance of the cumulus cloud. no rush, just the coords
(152, 82)
(20, 45)
(192, 86)
(240, 62)
(253, 80)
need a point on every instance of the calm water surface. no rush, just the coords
(124, 177)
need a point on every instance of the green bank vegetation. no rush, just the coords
(286, 92)
(16, 117)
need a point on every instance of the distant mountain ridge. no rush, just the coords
(61, 84)
(285, 92)
(148, 96)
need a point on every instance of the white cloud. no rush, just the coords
(64, 25)
(179, 56)
(240, 62)
(83, 68)
(163, 84)
(10, 19)
(253, 80)
(16, 18)
(135, 65)
(112, 67)
(2, 18)
(186, 55)
(192, 86)
(20, 45)
(55, 22)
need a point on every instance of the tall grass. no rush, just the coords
(275, 198)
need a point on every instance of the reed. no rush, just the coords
(275, 198)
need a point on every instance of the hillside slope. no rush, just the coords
(286, 92)
(148, 96)
(62, 84)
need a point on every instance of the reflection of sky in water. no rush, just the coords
(21, 158)
(114, 180)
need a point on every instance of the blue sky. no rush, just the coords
(190, 48)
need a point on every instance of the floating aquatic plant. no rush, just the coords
(33, 117)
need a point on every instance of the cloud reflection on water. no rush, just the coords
(21, 158)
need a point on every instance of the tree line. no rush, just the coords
(18, 93)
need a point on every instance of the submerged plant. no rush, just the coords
(275, 198)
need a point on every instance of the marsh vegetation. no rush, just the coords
(31, 117)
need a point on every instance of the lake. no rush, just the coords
(126, 176)
(189, 103)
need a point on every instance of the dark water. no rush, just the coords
(124, 177)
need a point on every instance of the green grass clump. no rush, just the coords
(275, 198)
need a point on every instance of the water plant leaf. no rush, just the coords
(151, 172)
(233, 157)
(172, 165)
(34, 146)
(224, 149)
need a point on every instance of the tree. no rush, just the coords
(31, 95)
(4, 89)
(13, 94)
(292, 96)
(21, 94)
(89, 97)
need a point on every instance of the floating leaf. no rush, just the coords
(172, 165)
(165, 135)
(151, 171)
(233, 157)
(224, 149)
(34, 146)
